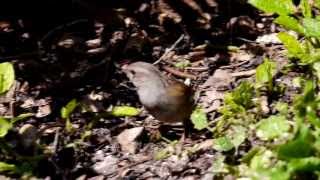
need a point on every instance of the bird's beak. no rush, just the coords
(124, 68)
(127, 72)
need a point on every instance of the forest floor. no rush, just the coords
(81, 119)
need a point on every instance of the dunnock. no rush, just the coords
(165, 99)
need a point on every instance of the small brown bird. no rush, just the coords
(165, 99)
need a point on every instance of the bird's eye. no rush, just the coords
(132, 72)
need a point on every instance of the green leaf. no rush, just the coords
(248, 157)
(262, 166)
(162, 154)
(306, 105)
(5, 126)
(4, 167)
(306, 8)
(119, 111)
(265, 72)
(237, 101)
(237, 135)
(279, 171)
(166, 152)
(222, 144)
(310, 164)
(311, 57)
(307, 97)
(182, 64)
(243, 94)
(7, 76)
(282, 108)
(68, 125)
(297, 82)
(218, 165)
(281, 7)
(68, 109)
(292, 44)
(199, 119)
(317, 3)
(21, 117)
(312, 27)
(261, 160)
(301, 146)
(272, 127)
(290, 23)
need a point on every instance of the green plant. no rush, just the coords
(120, 111)
(66, 112)
(230, 131)
(199, 119)
(306, 51)
(291, 137)
(14, 163)
(265, 73)
(182, 64)
(7, 124)
(272, 127)
(238, 101)
(7, 76)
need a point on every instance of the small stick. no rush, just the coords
(247, 40)
(174, 45)
(243, 73)
(235, 65)
(56, 141)
(179, 73)
(197, 68)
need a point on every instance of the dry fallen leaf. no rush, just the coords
(219, 80)
(214, 89)
(127, 139)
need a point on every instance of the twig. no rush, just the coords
(247, 40)
(244, 73)
(56, 141)
(197, 68)
(235, 65)
(179, 73)
(174, 45)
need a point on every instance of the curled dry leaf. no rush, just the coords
(44, 108)
(221, 79)
(215, 85)
(127, 139)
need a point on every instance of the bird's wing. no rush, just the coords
(179, 93)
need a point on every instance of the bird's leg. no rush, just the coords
(187, 128)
